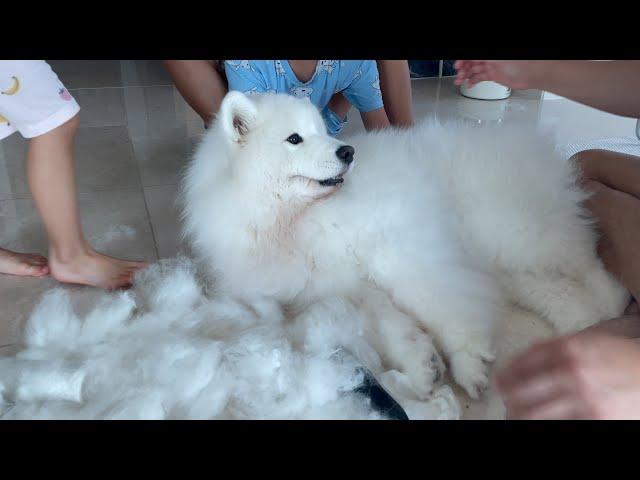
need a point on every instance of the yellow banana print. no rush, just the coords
(13, 88)
(3, 120)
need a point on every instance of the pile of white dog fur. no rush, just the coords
(165, 350)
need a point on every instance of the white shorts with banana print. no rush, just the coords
(33, 101)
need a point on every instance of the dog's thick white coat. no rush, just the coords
(431, 234)
(451, 222)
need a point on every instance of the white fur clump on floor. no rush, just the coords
(164, 350)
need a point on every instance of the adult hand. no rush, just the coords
(518, 74)
(582, 376)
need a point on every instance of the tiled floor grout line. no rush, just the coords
(144, 196)
(172, 184)
(140, 182)
(153, 233)
(146, 209)
(27, 196)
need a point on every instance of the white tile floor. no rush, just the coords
(136, 134)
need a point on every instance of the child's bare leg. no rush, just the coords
(51, 173)
(619, 171)
(618, 216)
(23, 264)
(615, 201)
(395, 83)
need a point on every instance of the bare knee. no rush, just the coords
(588, 163)
(602, 199)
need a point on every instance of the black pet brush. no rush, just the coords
(381, 401)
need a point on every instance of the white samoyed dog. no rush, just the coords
(437, 228)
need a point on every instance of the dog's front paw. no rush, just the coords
(425, 372)
(416, 356)
(470, 370)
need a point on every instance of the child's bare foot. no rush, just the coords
(94, 269)
(23, 264)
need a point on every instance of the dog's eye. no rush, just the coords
(294, 139)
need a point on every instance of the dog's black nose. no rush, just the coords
(345, 153)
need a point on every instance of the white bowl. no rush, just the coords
(486, 91)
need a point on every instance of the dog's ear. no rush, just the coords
(238, 115)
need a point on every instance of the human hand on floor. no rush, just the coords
(582, 376)
(518, 74)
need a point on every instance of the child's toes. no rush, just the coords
(37, 259)
(122, 281)
(30, 270)
(38, 265)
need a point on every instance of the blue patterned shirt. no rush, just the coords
(357, 80)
